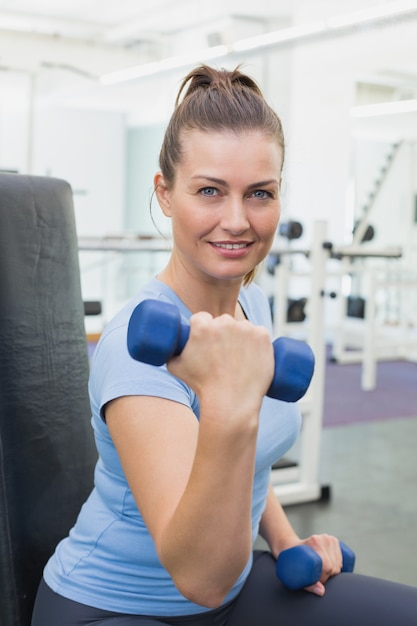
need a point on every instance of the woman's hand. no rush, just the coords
(328, 548)
(276, 529)
(228, 363)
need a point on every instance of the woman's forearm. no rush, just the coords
(275, 527)
(207, 542)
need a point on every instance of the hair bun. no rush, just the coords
(206, 77)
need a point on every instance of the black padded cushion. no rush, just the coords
(47, 453)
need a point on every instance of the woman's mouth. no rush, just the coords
(231, 250)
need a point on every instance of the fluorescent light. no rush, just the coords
(171, 63)
(384, 108)
(15, 23)
(279, 36)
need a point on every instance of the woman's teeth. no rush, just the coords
(231, 246)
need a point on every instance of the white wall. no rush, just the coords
(320, 134)
(87, 149)
(14, 121)
(392, 213)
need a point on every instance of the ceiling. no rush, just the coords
(100, 21)
(123, 22)
(65, 42)
(135, 25)
(99, 36)
(69, 44)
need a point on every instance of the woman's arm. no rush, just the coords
(277, 531)
(275, 527)
(192, 481)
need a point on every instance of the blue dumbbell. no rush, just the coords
(156, 333)
(300, 566)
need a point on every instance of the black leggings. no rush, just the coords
(350, 599)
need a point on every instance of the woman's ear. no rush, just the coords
(162, 193)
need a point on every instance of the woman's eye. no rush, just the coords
(261, 194)
(208, 191)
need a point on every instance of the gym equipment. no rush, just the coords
(296, 309)
(92, 307)
(47, 450)
(272, 261)
(156, 333)
(301, 483)
(355, 307)
(301, 566)
(368, 231)
(290, 230)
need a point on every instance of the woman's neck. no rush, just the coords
(198, 294)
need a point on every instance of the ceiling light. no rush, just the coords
(279, 36)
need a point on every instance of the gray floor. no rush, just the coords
(372, 471)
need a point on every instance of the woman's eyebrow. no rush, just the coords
(264, 183)
(211, 179)
(220, 181)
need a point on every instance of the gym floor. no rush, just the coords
(371, 469)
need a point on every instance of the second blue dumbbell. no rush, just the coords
(300, 566)
(156, 333)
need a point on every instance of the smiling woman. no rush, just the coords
(224, 207)
(182, 484)
(227, 111)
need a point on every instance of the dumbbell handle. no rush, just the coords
(156, 333)
(301, 566)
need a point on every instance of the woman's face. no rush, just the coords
(225, 203)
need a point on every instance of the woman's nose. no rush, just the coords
(234, 217)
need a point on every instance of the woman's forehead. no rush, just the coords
(252, 147)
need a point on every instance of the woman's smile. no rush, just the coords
(229, 249)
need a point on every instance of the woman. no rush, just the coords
(182, 481)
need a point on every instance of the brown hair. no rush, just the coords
(216, 100)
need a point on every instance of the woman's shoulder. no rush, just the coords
(255, 304)
(155, 290)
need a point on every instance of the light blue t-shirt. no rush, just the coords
(109, 560)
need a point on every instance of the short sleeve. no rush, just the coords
(114, 374)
